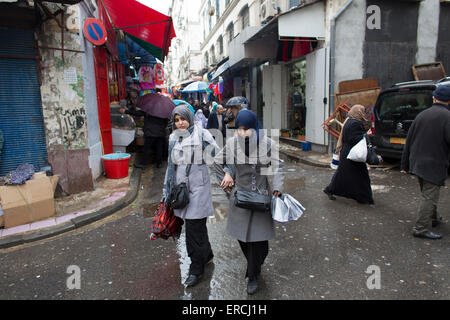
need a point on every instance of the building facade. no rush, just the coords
(184, 60)
(288, 57)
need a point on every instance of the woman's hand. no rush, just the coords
(277, 193)
(227, 181)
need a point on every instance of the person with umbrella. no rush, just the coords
(156, 110)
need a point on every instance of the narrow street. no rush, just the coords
(323, 255)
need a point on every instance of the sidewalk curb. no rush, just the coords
(18, 239)
(304, 160)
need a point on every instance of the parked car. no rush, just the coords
(394, 112)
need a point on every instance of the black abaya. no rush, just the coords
(351, 180)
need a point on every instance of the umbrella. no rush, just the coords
(238, 101)
(197, 86)
(156, 105)
(178, 102)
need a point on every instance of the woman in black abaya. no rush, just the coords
(351, 180)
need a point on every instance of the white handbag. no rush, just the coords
(359, 151)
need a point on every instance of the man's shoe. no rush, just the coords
(140, 166)
(192, 280)
(158, 165)
(427, 235)
(252, 286)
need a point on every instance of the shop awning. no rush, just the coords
(223, 67)
(132, 53)
(307, 21)
(149, 28)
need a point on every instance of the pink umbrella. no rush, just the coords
(156, 105)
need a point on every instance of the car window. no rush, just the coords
(403, 106)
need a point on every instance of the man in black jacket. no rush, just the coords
(427, 155)
(154, 135)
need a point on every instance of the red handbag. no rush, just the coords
(165, 224)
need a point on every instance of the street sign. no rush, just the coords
(94, 31)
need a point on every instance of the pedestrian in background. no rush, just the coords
(187, 138)
(216, 119)
(351, 179)
(426, 155)
(154, 137)
(252, 229)
(200, 118)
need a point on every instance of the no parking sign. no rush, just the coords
(94, 31)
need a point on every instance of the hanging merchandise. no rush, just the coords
(220, 85)
(158, 74)
(146, 79)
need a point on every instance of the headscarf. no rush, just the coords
(200, 117)
(357, 112)
(214, 106)
(248, 119)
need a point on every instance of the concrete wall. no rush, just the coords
(62, 90)
(90, 92)
(350, 32)
(427, 33)
(443, 46)
(69, 102)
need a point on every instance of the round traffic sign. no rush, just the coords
(94, 31)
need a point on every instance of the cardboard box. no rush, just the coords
(32, 201)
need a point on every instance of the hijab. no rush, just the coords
(248, 119)
(357, 112)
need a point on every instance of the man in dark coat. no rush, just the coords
(155, 137)
(427, 155)
(216, 120)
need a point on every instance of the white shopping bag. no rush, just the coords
(280, 211)
(359, 151)
(286, 208)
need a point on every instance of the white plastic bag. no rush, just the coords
(286, 208)
(279, 210)
(359, 151)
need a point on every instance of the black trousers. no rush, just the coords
(197, 245)
(156, 145)
(255, 253)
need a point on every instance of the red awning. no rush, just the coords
(142, 22)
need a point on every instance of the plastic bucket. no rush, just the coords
(306, 146)
(116, 165)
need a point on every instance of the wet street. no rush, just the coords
(323, 255)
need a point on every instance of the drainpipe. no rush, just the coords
(332, 60)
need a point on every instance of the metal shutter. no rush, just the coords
(21, 117)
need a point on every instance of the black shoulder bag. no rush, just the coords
(179, 197)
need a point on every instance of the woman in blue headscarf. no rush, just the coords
(254, 157)
(188, 140)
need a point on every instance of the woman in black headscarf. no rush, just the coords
(253, 229)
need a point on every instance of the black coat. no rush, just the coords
(153, 126)
(213, 122)
(427, 149)
(351, 180)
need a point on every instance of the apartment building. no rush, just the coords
(184, 60)
(288, 56)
